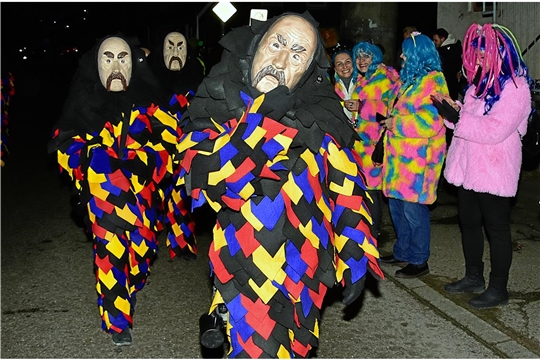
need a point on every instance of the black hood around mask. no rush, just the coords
(312, 101)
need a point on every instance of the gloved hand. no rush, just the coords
(352, 290)
(446, 110)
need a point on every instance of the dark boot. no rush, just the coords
(495, 295)
(473, 282)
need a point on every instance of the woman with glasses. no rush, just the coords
(415, 149)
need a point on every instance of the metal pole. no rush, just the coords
(201, 13)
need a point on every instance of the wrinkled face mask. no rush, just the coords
(114, 64)
(284, 54)
(175, 51)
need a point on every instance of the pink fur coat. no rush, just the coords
(485, 153)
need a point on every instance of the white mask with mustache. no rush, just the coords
(175, 51)
(114, 64)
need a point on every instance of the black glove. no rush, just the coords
(352, 290)
(446, 110)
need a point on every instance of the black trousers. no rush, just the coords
(476, 210)
(376, 211)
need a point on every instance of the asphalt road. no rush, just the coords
(48, 300)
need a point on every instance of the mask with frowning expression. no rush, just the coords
(175, 51)
(284, 54)
(114, 64)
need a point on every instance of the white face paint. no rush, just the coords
(114, 64)
(284, 54)
(175, 51)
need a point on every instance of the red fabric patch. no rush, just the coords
(252, 350)
(246, 238)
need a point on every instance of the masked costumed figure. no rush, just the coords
(267, 145)
(117, 146)
(179, 74)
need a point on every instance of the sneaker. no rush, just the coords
(122, 338)
(413, 271)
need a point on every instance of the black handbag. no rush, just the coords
(378, 153)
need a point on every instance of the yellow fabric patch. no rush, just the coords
(346, 189)
(186, 143)
(270, 266)
(255, 137)
(97, 191)
(218, 299)
(216, 177)
(247, 191)
(341, 162)
(292, 190)
(307, 231)
(316, 328)
(265, 292)
(122, 305)
(250, 217)
(107, 279)
(115, 247)
(282, 353)
(166, 119)
(63, 162)
(219, 238)
(140, 249)
(308, 157)
(126, 214)
(94, 177)
(325, 209)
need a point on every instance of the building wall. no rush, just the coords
(522, 18)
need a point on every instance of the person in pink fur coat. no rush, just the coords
(484, 158)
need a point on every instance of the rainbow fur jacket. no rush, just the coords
(377, 94)
(416, 147)
(485, 154)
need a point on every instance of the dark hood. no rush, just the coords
(311, 106)
(176, 82)
(89, 105)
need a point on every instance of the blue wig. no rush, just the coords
(369, 49)
(421, 58)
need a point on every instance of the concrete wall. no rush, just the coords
(377, 21)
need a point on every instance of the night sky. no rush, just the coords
(43, 41)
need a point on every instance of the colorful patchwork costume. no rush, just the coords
(179, 87)
(117, 147)
(281, 173)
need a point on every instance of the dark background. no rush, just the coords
(39, 31)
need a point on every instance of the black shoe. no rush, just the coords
(413, 271)
(466, 285)
(123, 338)
(391, 260)
(489, 298)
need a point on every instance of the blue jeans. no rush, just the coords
(412, 226)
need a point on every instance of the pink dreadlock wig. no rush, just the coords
(501, 60)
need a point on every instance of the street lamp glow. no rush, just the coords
(224, 10)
